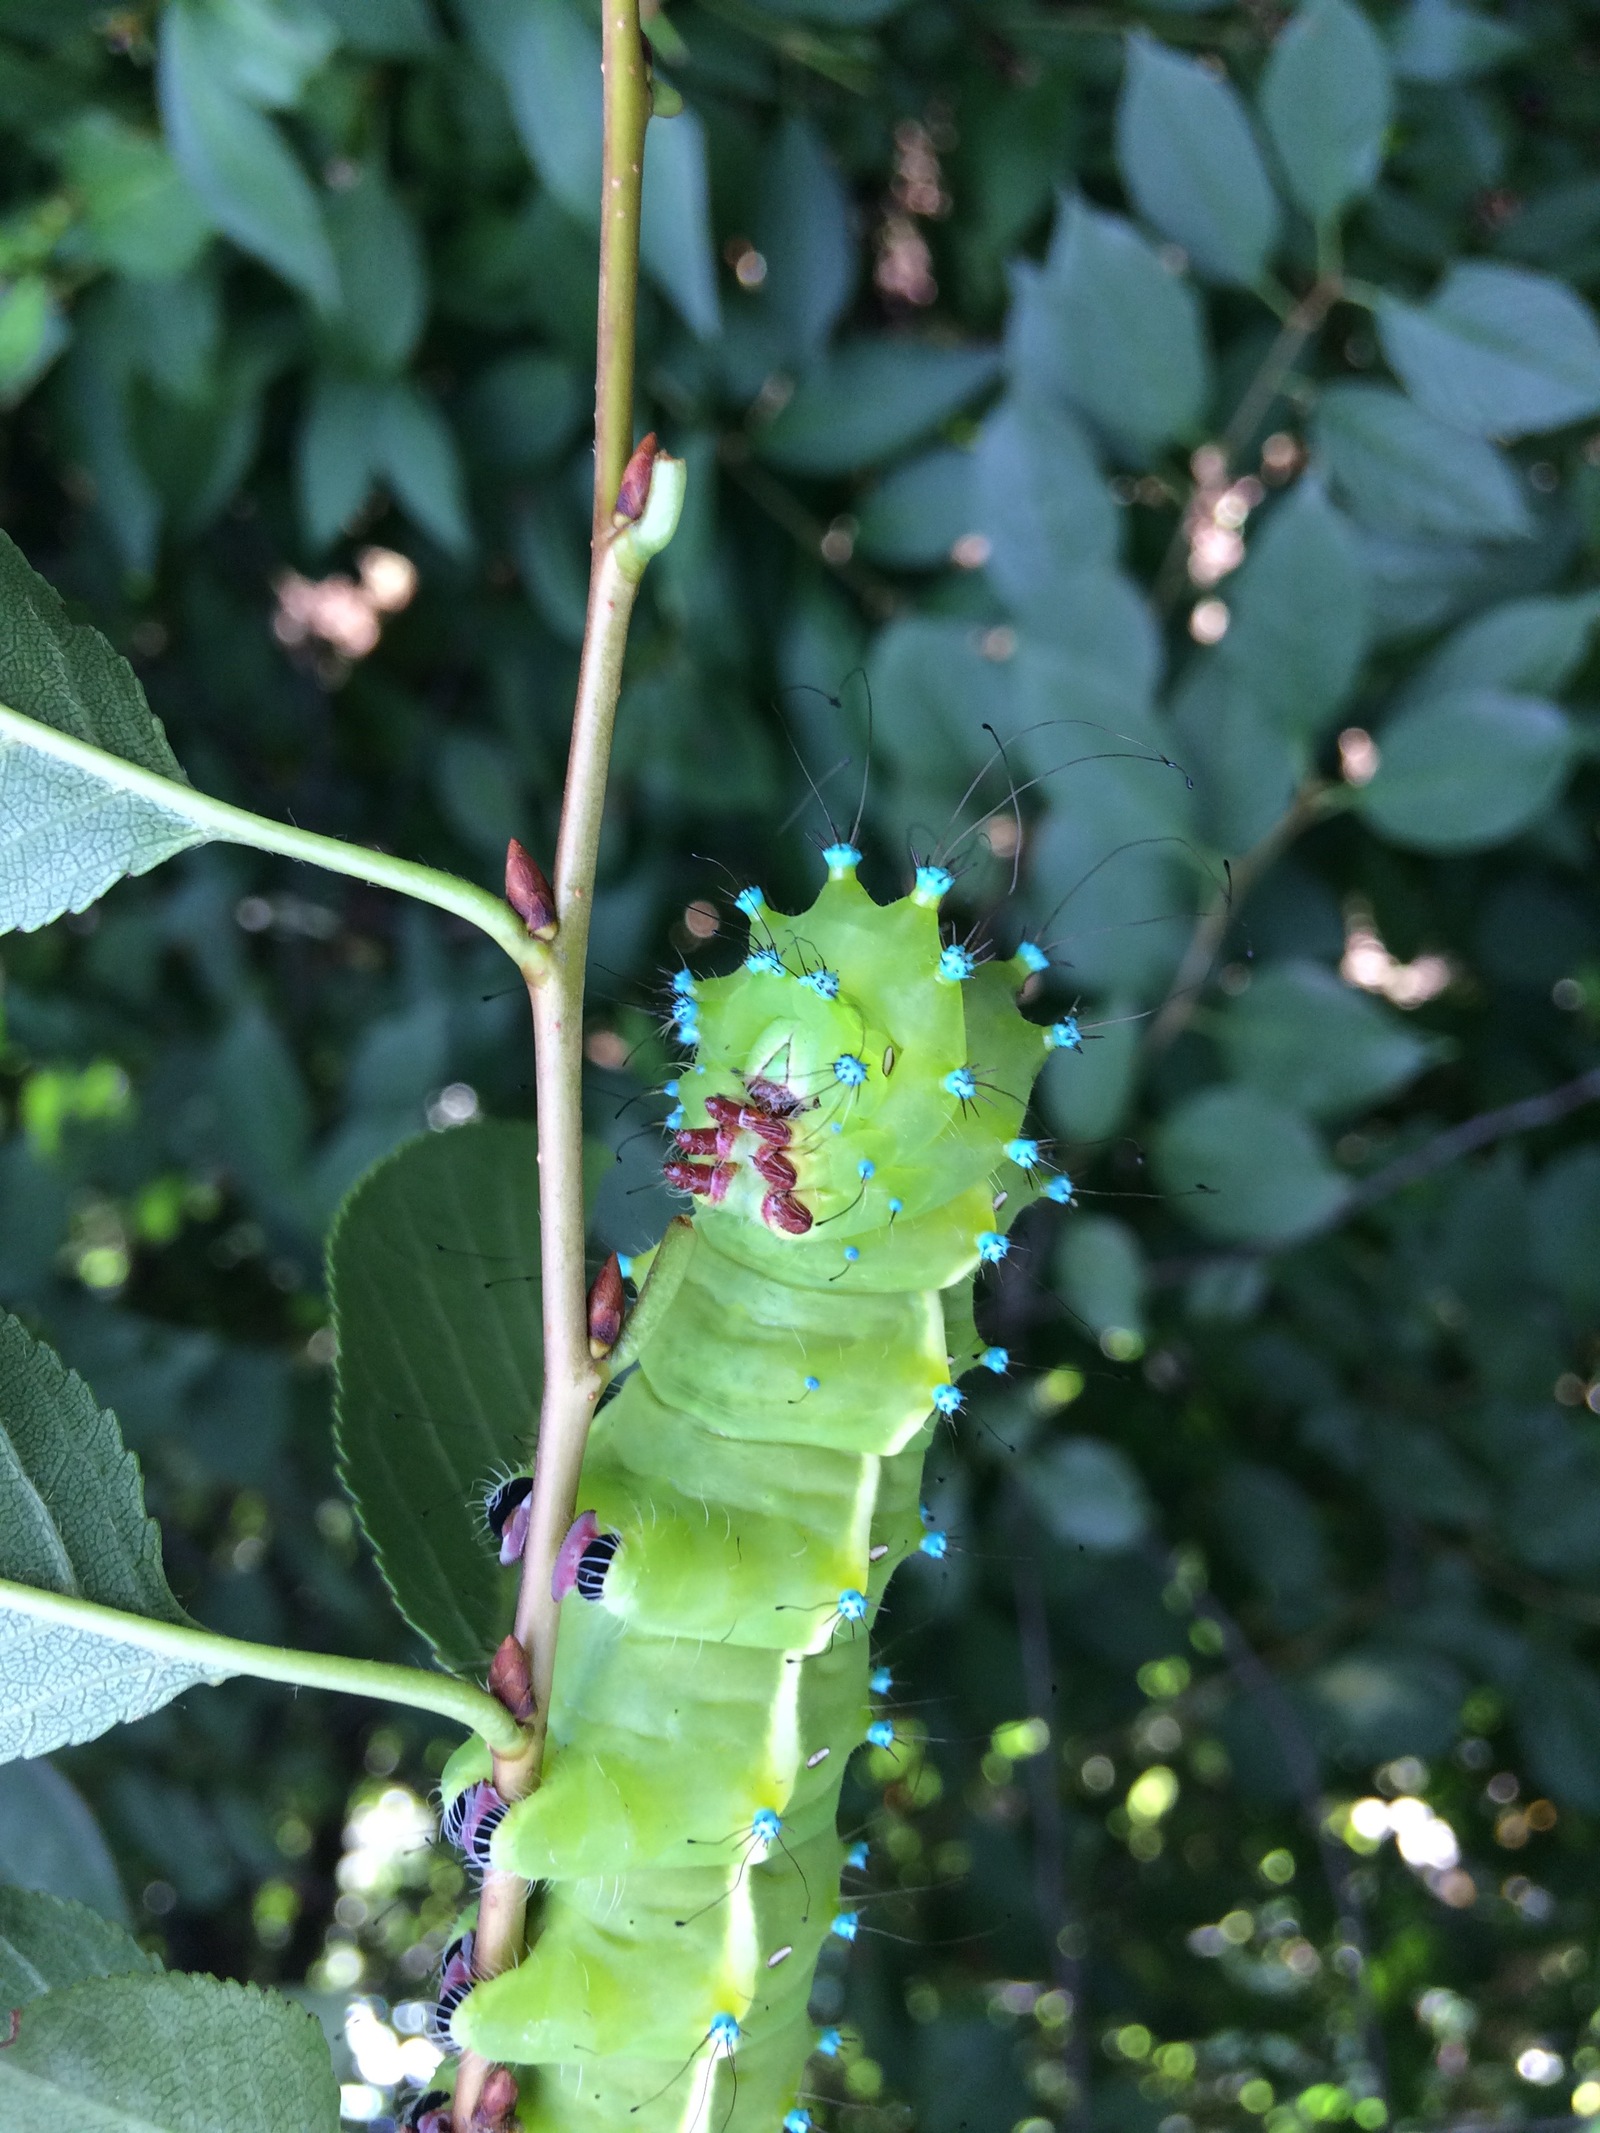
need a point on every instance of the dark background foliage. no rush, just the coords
(1025, 377)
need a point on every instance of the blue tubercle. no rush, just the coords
(828, 2043)
(799, 2119)
(847, 1925)
(840, 860)
(751, 902)
(933, 884)
(765, 1825)
(764, 963)
(992, 1246)
(625, 1266)
(669, 1088)
(683, 984)
(996, 1359)
(1060, 1190)
(1064, 1036)
(824, 983)
(1031, 956)
(674, 1118)
(866, 1168)
(880, 1734)
(723, 2032)
(962, 1082)
(1023, 1152)
(880, 1681)
(956, 963)
(896, 1207)
(852, 1605)
(813, 1384)
(851, 1255)
(949, 1399)
(935, 1545)
(849, 1070)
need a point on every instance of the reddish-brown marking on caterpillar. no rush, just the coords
(700, 1140)
(708, 1181)
(773, 1097)
(781, 1210)
(774, 1169)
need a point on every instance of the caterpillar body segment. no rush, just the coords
(842, 1131)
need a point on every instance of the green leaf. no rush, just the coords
(1308, 1041)
(1092, 654)
(1466, 768)
(238, 163)
(1109, 866)
(1099, 1270)
(675, 247)
(383, 29)
(1300, 613)
(383, 288)
(263, 50)
(1531, 647)
(72, 1521)
(1556, 1706)
(433, 1266)
(1566, 1229)
(1405, 471)
(1189, 157)
(50, 1841)
(1498, 351)
(1086, 1095)
(1326, 98)
(32, 334)
(1243, 1168)
(263, 1113)
(932, 689)
(549, 59)
(416, 449)
(336, 455)
(1107, 327)
(869, 399)
(802, 230)
(918, 512)
(141, 216)
(64, 838)
(1088, 1495)
(1042, 503)
(167, 2054)
(46, 1943)
(1244, 765)
(1435, 41)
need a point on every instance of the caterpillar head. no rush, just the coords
(859, 1075)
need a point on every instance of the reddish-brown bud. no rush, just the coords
(510, 1680)
(606, 1301)
(497, 2102)
(635, 491)
(529, 893)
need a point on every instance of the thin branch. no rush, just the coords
(1525, 1116)
(218, 822)
(1211, 929)
(215, 1657)
(622, 543)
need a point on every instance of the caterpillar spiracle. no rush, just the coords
(850, 1130)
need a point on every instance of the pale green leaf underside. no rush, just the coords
(439, 1368)
(166, 2054)
(72, 1522)
(66, 836)
(47, 1942)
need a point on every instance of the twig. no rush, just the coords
(621, 545)
(1212, 927)
(1525, 1116)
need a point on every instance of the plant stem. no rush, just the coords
(1211, 927)
(217, 822)
(573, 1380)
(217, 1658)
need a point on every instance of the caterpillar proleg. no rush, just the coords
(853, 1154)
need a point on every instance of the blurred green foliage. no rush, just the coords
(1205, 410)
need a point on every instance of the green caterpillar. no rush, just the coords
(850, 1128)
